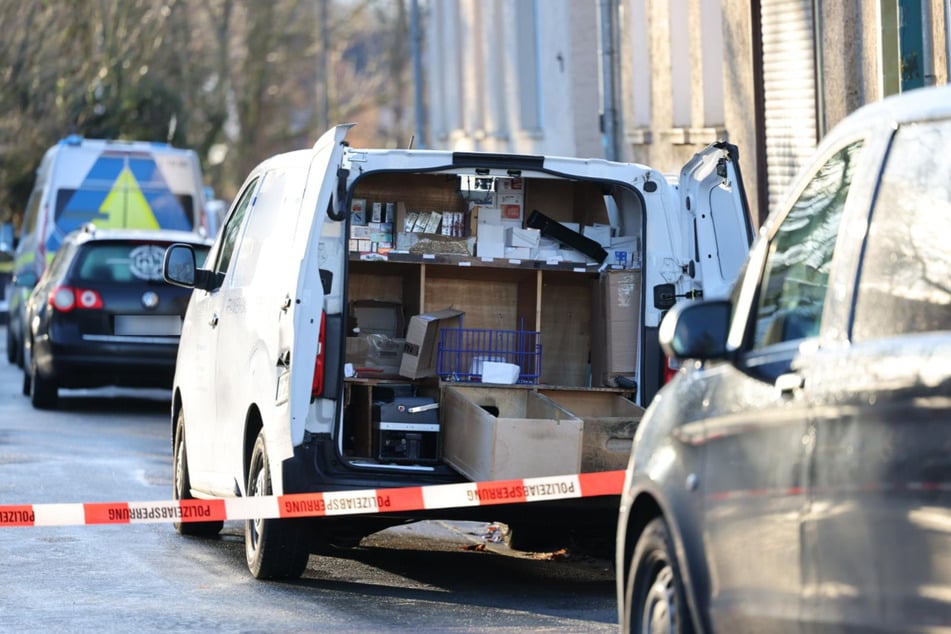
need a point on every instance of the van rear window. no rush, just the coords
(120, 208)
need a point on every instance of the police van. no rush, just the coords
(373, 318)
(111, 184)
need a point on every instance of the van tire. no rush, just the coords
(654, 599)
(275, 548)
(181, 483)
(43, 391)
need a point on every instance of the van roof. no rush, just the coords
(76, 140)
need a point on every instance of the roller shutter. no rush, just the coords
(789, 90)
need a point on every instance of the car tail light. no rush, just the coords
(66, 298)
(317, 387)
(671, 367)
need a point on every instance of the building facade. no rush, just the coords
(654, 81)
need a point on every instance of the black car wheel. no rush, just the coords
(181, 484)
(654, 594)
(27, 383)
(275, 548)
(43, 391)
(11, 345)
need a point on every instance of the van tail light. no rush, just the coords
(671, 367)
(317, 387)
(66, 298)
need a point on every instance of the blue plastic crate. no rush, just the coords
(462, 351)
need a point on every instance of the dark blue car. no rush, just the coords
(795, 476)
(102, 315)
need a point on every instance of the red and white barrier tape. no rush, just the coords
(357, 502)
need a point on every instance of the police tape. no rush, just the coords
(355, 502)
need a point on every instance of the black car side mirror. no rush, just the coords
(696, 330)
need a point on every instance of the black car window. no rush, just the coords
(796, 275)
(905, 280)
(232, 228)
(61, 259)
(127, 261)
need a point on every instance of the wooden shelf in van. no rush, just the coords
(475, 261)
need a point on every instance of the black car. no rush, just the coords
(795, 476)
(102, 315)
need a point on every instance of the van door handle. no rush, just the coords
(213, 322)
(286, 303)
(789, 383)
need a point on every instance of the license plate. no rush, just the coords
(154, 325)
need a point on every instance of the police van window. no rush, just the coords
(229, 235)
(795, 279)
(905, 279)
(32, 214)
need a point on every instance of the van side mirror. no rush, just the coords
(178, 266)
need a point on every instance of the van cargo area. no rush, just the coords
(453, 297)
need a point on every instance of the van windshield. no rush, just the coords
(123, 208)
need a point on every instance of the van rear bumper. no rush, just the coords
(316, 467)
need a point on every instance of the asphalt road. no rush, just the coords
(113, 445)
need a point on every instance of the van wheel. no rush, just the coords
(275, 548)
(43, 391)
(654, 594)
(181, 484)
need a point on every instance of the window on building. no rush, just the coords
(680, 84)
(527, 21)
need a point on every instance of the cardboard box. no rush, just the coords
(511, 207)
(360, 232)
(358, 211)
(357, 349)
(615, 325)
(508, 186)
(625, 249)
(422, 341)
(503, 433)
(599, 233)
(519, 253)
(491, 241)
(518, 237)
(487, 215)
(610, 421)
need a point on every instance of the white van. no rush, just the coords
(442, 251)
(112, 184)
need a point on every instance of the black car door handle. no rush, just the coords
(213, 322)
